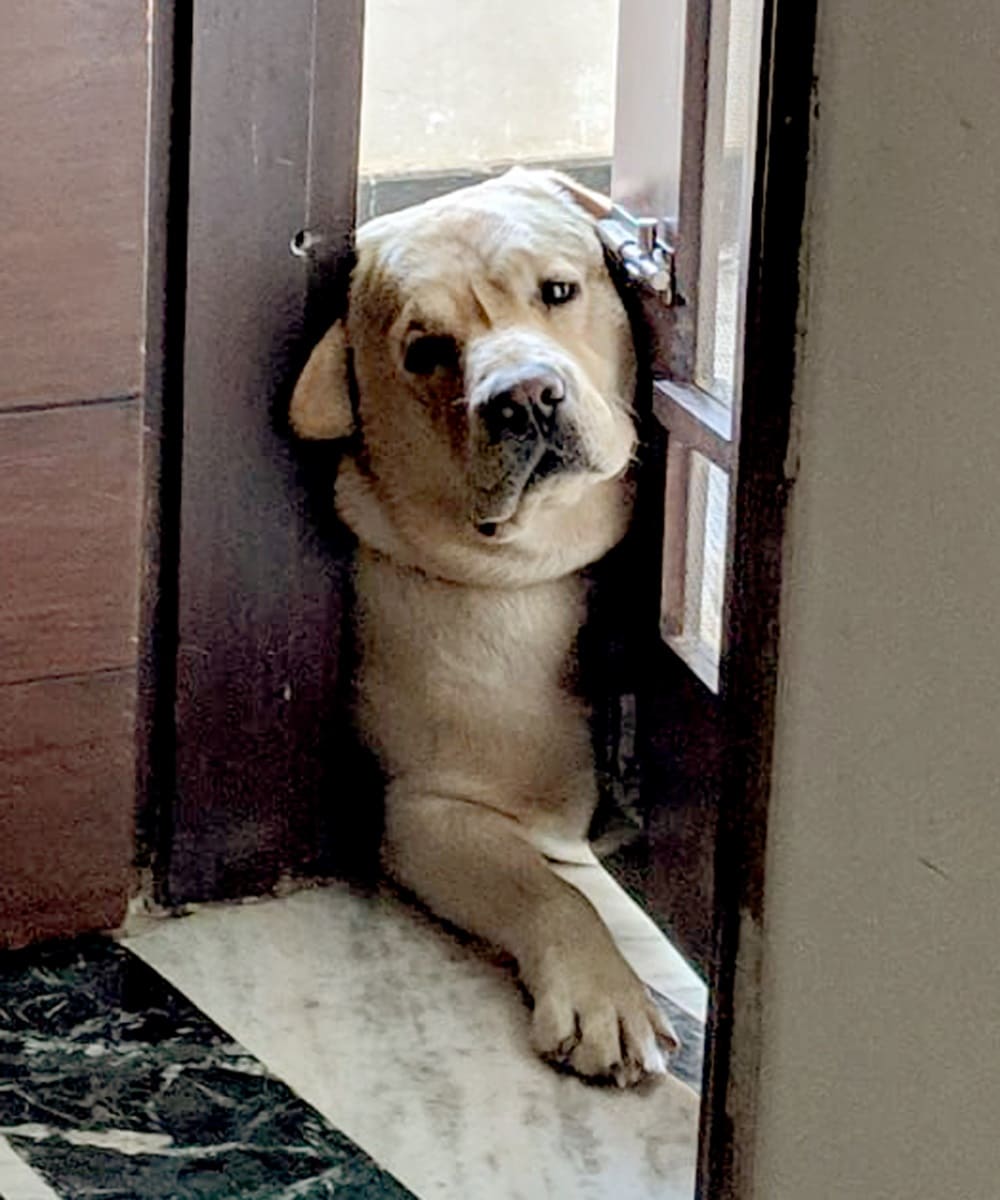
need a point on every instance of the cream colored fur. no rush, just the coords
(468, 585)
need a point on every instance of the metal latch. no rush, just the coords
(636, 243)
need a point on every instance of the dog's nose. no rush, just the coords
(525, 406)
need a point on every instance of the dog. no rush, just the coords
(482, 381)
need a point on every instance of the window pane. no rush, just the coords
(696, 541)
(648, 151)
(708, 502)
(729, 165)
(714, 561)
(453, 90)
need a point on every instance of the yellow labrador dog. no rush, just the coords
(484, 373)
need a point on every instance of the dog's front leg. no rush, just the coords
(472, 866)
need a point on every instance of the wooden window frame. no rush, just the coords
(676, 53)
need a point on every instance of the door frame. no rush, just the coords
(253, 122)
(167, 723)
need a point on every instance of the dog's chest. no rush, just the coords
(472, 680)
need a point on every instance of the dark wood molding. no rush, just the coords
(750, 671)
(167, 170)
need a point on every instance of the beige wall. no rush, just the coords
(457, 83)
(881, 1054)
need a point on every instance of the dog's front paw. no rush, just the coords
(598, 1020)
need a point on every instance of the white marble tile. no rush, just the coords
(17, 1180)
(415, 1045)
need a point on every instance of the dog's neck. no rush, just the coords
(436, 552)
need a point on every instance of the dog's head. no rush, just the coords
(486, 368)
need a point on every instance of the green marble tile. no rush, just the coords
(113, 1084)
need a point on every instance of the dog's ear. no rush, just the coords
(595, 204)
(321, 403)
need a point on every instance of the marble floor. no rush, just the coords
(326, 1043)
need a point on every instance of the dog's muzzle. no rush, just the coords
(522, 431)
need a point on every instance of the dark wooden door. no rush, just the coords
(256, 141)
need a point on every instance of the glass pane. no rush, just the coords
(455, 90)
(699, 641)
(729, 166)
(714, 558)
(648, 151)
(697, 505)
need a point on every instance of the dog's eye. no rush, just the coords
(557, 291)
(425, 354)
